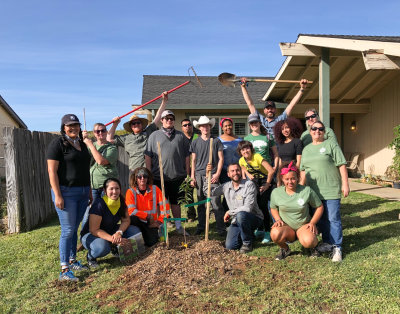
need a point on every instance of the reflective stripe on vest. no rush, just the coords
(134, 203)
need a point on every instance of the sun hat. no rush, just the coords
(127, 125)
(204, 120)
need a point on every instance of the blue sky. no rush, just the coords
(59, 57)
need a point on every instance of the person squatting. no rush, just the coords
(278, 184)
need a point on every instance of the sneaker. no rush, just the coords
(324, 247)
(67, 276)
(182, 231)
(267, 238)
(77, 266)
(337, 254)
(92, 263)
(314, 253)
(246, 248)
(259, 234)
(283, 253)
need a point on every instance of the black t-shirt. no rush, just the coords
(109, 222)
(289, 151)
(74, 165)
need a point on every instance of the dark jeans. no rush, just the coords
(242, 230)
(263, 204)
(150, 235)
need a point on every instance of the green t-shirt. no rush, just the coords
(294, 209)
(261, 145)
(307, 139)
(99, 173)
(321, 162)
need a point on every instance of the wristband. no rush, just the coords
(120, 232)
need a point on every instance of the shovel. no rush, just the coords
(229, 79)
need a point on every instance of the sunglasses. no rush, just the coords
(169, 119)
(100, 131)
(311, 117)
(136, 122)
(314, 128)
(185, 125)
(144, 176)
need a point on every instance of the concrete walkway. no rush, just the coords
(376, 190)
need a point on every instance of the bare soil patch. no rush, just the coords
(175, 274)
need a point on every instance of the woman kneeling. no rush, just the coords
(290, 207)
(102, 231)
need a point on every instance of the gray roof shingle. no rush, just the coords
(213, 92)
(394, 39)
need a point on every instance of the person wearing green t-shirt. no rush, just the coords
(290, 206)
(323, 168)
(311, 116)
(258, 170)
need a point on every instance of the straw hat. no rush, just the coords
(127, 125)
(204, 120)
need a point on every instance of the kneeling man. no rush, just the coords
(245, 216)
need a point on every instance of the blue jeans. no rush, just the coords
(76, 200)
(99, 247)
(330, 224)
(242, 230)
(96, 193)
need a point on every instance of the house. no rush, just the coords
(8, 118)
(356, 89)
(213, 99)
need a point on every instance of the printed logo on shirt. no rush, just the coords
(322, 150)
(300, 201)
(259, 144)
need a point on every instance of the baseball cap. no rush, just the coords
(254, 117)
(167, 113)
(69, 119)
(270, 103)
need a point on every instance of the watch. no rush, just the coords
(120, 232)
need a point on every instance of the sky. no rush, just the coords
(58, 57)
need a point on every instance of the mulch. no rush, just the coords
(176, 272)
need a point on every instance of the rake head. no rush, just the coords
(198, 82)
(227, 79)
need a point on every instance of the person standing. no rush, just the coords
(68, 163)
(311, 116)
(187, 129)
(200, 149)
(323, 168)
(175, 161)
(139, 130)
(243, 213)
(270, 118)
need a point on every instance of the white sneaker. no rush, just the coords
(181, 231)
(324, 247)
(337, 254)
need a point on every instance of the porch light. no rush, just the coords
(353, 126)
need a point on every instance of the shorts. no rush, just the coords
(172, 190)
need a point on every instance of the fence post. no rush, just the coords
(13, 197)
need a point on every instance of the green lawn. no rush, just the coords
(368, 279)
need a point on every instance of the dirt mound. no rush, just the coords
(179, 271)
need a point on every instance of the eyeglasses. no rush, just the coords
(136, 122)
(169, 119)
(100, 131)
(187, 124)
(314, 128)
(142, 176)
(311, 117)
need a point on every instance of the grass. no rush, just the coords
(366, 281)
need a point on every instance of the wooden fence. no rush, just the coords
(29, 202)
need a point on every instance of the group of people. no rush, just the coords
(278, 183)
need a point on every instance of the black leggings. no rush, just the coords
(262, 201)
(150, 235)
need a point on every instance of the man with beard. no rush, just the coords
(244, 213)
(311, 116)
(270, 118)
(175, 161)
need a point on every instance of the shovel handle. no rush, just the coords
(273, 81)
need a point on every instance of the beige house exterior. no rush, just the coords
(8, 118)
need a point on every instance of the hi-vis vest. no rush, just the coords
(147, 204)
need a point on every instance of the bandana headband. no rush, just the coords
(224, 119)
(290, 167)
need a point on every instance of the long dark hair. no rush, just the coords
(295, 129)
(64, 135)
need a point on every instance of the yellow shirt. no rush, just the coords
(255, 163)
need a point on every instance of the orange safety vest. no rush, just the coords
(143, 205)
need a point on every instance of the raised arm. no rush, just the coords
(246, 96)
(95, 153)
(160, 110)
(111, 131)
(295, 100)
